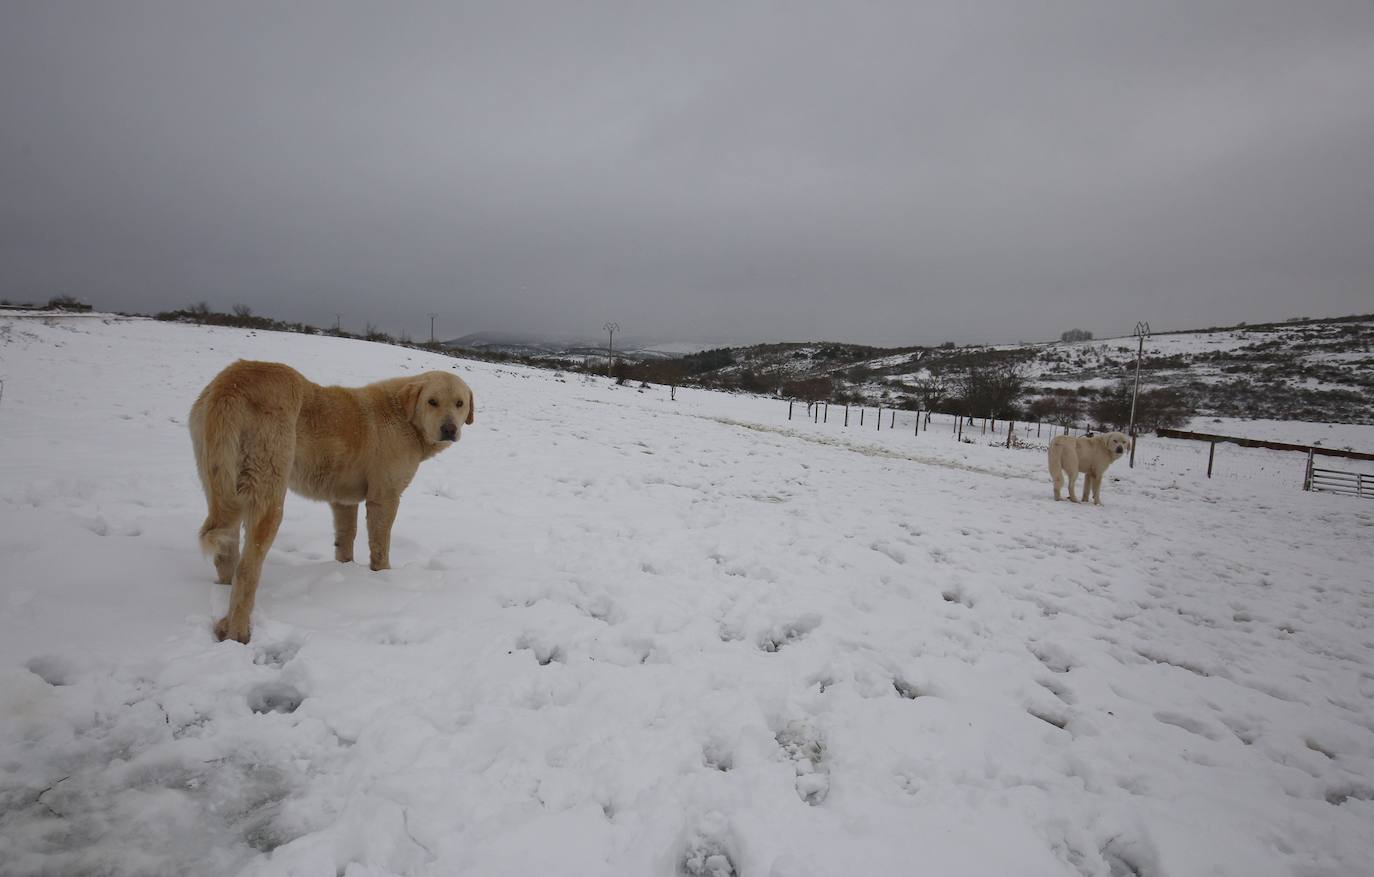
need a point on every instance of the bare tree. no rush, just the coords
(1160, 407)
(932, 390)
(668, 372)
(990, 390)
(810, 389)
(1062, 409)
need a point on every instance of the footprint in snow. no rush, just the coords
(56, 670)
(773, 639)
(275, 654)
(1053, 657)
(707, 849)
(1187, 723)
(275, 697)
(805, 748)
(954, 595)
(1338, 795)
(907, 689)
(716, 756)
(1057, 689)
(1049, 717)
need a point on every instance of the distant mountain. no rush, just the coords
(553, 347)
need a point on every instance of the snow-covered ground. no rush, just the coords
(631, 636)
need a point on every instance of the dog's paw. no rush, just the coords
(379, 565)
(343, 556)
(225, 630)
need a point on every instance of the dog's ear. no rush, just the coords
(472, 406)
(410, 397)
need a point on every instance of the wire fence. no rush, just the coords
(1034, 434)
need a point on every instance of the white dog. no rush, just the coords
(1090, 455)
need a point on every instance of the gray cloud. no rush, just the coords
(884, 172)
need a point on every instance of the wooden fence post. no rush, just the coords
(880, 417)
(1212, 452)
(861, 417)
(846, 414)
(960, 428)
(789, 409)
(1307, 475)
(825, 418)
(1011, 428)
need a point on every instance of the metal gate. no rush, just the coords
(1339, 481)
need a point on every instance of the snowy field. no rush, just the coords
(631, 636)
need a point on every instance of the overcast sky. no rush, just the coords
(878, 172)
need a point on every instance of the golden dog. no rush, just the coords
(260, 427)
(1090, 455)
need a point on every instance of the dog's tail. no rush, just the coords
(215, 431)
(1056, 459)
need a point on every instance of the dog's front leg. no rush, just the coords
(345, 531)
(381, 513)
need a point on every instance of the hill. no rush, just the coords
(1312, 370)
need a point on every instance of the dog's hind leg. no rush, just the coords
(221, 534)
(263, 489)
(1055, 470)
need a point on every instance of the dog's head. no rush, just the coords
(1116, 443)
(439, 404)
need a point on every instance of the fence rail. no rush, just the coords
(1263, 443)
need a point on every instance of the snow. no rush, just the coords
(627, 635)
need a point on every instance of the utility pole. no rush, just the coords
(1142, 331)
(611, 329)
(431, 327)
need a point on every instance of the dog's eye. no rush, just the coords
(434, 402)
(458, 404)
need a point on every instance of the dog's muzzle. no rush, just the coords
(448, 433)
